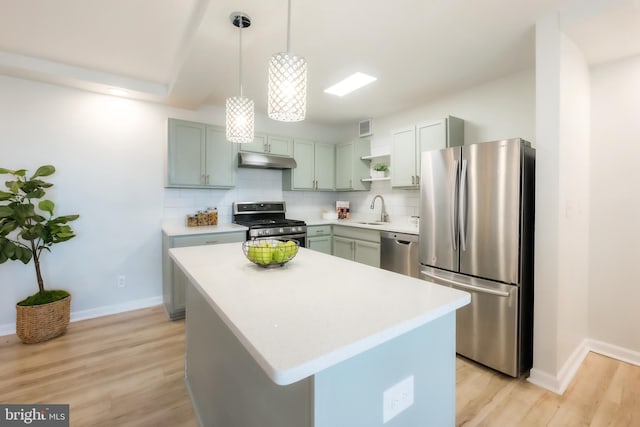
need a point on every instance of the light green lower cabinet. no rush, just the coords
(357, 244)
(320, 244)
(319, 238)
(173, 279)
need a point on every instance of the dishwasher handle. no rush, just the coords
(403, 242)
(399, 238)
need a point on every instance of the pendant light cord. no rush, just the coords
(288, 26)
(240, 53)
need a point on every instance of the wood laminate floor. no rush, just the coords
(127, 370)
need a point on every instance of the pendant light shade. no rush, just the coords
(240, 111)
(287, 91)
(240, 119)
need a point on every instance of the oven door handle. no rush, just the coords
(286, 236)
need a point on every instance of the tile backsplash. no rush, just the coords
(266, 184)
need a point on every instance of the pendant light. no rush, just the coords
(240, 110)
(287, 95)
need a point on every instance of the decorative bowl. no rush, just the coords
(270, 252)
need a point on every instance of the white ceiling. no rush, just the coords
(185, 52)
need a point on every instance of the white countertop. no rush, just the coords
(178, 228)
(395, 226)
(315, 311)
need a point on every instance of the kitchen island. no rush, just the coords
(316, 342)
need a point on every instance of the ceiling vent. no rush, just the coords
(365, 128)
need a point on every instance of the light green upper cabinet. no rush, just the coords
(269, 144)
(199, 156)
(325, 166)
(403, 157)
(407, 145)
(316, 167)
(221, 158)
(350, 167)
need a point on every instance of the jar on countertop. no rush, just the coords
(212, 216)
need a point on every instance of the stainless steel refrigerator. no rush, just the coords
(476, 234)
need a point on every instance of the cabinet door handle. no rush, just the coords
(417, 179)
(202, 179)
(207, 179)
(413, 179)
(350, 183)
(266, 148)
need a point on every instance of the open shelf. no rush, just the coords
(375, 157)
(386, 178)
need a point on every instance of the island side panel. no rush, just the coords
(226, 385)
(350, 394)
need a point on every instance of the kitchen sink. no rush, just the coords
(372, 223)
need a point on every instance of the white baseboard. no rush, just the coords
(615, 352)
(10, 328)
(559, 383)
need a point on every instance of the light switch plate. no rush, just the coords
(397, 398)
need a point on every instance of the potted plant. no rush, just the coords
(379, 170)
(26, 230)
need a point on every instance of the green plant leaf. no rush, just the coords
(5, 196)
(20, 172)
(4, 171)
(45, 170)
(7, 227)
(6, 212)
(35, 194)
(66, 218)
(14, 186)
(47, 206)
(8, 248)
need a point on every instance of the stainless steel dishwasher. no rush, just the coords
(399, 253)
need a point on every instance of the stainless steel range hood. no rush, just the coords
(265, 161)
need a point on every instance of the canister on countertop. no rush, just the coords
(203, 218)
(212, 214)
(192, 220)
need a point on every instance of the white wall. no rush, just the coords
(562, 204)
(614, 269)
(573, 216)
(109, 153)
(502, 108)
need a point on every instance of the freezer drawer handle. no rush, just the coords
(403, 242)
(467, 286)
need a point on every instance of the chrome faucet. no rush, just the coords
(384, 217)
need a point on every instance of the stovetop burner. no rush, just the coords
(267, 219)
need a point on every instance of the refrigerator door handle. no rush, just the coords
(454, 187)
(466, 286)
(462, 207)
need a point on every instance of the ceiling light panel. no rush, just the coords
(351, 83)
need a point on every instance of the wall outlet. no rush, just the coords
(122, 281)
(397, 398)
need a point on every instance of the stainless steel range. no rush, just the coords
(266, 220)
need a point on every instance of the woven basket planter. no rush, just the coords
(37, 323)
